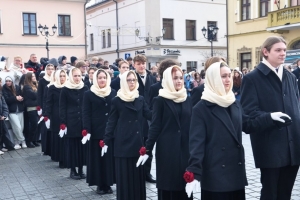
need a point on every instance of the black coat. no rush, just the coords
(52, 108)
(170, 131)
(115, 84)
(87, 82)
(197, 94)
(95, 113)
(34, 67)
(296, 72)
(3, 110)
(217, 154)
(41, 87)
(262, 92)
(30, 96)
(153, 92)
(70, 110)
(124, 125)
(144, 89)
(11, 99)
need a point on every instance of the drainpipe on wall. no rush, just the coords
(117, 22)
(85, 34)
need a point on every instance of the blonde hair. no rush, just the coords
(18, 57)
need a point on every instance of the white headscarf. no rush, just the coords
(101, 92)
(124, 92)
(214, 90)
(52, 79)
(70, 83)
(46, 76)
(57, 83)
(169, 91)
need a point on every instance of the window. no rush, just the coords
(294, 2)
(264, 7)
(103, 39)
(29, 23)
(191, 66)
(92, 42)
(108, 38)
(168, 25)
(246, 7)
(210, 35)
(64, 25)
(190, 29)
(246, 60)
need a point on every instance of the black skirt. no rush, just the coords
(99, 169)
(74, 153)
(57, 147)
(130, 179)
(173, 195)
(45, 139)
(234, 195)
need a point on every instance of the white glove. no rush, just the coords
(86, 138)
(276, 116)
(192, 187)
(104, 150)
(63, 130)
(142, 159)
(47, 123)
(40, 111)
(41, 119)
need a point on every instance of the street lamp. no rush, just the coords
(160, 37)
(211, 35)
(47, 34)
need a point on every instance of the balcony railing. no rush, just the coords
(284, 16)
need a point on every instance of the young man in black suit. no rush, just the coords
(145, 80)
(271, 88)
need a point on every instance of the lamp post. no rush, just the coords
(211, 35)
(47, 34)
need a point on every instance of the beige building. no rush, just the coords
(250, 22)
(20, 35)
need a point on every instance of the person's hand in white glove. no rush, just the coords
(279, 116)
(103, 146)
(143, 157)
(192, 185)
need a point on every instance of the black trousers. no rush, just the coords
(277, 183)
(147, 165)
(4, 137)
(33, 120)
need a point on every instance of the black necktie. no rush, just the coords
(276, 70)
(142, 76)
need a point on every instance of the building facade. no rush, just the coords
(158, 28)
(20, 35)
(250, 22)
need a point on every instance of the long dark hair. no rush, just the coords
(28, 81)
(237, 81)
(12, 88)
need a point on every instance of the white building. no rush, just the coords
(182, 21)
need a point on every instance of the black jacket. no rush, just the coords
(52, 108)
(170, 131)
(34, 67)
(87, 82)
(70, 110)
(41, 87)
(296, 72)
(144, 89)
(197, 94)
(124, 125)
(30, 96)
(217, 154)
(11, 100)
(3, 109)
(153, 92)
(96, 112)
(262, 92)
(115, 84)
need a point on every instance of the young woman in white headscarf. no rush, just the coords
(70, 114)
(217, 157)
(124, 126)
(169, 129)
(96, 107)
(52, 112)
(45, 131)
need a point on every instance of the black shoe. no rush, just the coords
(30, 145)
(35, 144)
(82, 176)
(108, 191)
(100, 191)
(150, 178)
(74, 175)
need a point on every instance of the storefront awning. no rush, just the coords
(284, 27)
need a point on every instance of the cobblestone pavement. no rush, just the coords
(27, 174)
